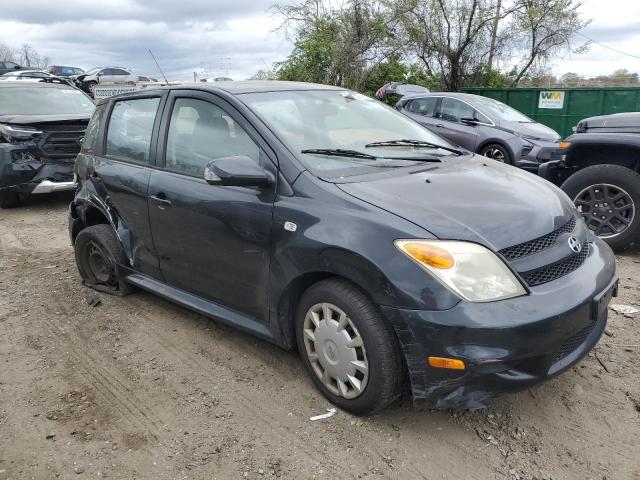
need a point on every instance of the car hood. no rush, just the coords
(478, 200)
(534, 130)
(35, 119)
(629, 121)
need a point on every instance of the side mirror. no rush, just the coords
(236, 171)
(469, 121)
(17, 67)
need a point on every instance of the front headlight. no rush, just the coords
(468, 269)
(15, 132)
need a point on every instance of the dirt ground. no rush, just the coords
(137, 388)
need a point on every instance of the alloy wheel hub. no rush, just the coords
(607, 209)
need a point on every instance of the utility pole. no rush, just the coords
(494, 33)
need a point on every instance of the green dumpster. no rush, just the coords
(562, 108)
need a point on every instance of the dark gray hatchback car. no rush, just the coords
(483, 125)
(320, 219)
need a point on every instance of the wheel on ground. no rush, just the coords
(9, 199)
(349, 350)
(608, 197)
(98, 252)
(498, 152)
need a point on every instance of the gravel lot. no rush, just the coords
(137, 388)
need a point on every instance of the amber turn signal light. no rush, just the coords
(565, 144)
(443, 362)
(431, 255)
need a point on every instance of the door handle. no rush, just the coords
(439, 125)
(161, 200)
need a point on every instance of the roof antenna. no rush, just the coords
(158, 65)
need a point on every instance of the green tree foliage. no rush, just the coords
(441, 44)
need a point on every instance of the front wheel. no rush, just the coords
(608, 197)
(498, 152)
(350, 352)
(9, 199)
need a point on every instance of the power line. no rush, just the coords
(637, 57)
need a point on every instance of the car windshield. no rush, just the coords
(346, 123)
(499, 111)
(43, 101)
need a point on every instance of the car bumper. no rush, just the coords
(36, 177)
(540, 153)
(507, 345)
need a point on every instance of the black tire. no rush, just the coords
(98, 252)
(616, 179)
(385, 366)
(91, 85)
(9, 199)
(497, 152)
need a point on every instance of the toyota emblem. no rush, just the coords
(574, 244)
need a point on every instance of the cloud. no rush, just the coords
(213, 38)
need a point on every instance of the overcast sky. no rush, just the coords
(234, 37)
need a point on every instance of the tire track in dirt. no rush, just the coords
(107, 382)
(200, 367)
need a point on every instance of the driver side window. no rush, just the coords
(453, 110)
(199, 132)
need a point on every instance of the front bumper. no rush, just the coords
(37, 177)
(507, 345)
(541, 152)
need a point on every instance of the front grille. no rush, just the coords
(60, 144)
(573, 342)
(556, 270)
(537, 244)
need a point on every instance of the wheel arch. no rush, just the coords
(589, 154)
(335, 263)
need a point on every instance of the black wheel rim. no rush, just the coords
(607, 209)
(100, 265)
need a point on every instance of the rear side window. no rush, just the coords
(91, 135)
(423, 106)
(130, 127)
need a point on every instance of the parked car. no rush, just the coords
(24, 75)
(7, 66)
(87, 81)
(318, 218)
(599, 168)
(484, 126)
(64, 71)
(41, 125)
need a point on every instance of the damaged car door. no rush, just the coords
(212, 240)
(119, 174)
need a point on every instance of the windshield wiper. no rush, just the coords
(339, 152)
(413, 143)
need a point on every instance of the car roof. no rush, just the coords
(469, 97)
(256, 86)
(23, 84)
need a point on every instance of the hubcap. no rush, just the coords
(336, 350)
(607, 209)
(495, 153)
(99, 264)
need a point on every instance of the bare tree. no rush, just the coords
(7, 53)
(29, 57)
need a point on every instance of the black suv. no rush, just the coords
(599, 168)
(315, 217)
(41, 127)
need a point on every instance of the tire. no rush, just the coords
(9, 199)
(380, 352)
(91, 86)
(98, 252)
(612, 192)
(497, 152)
